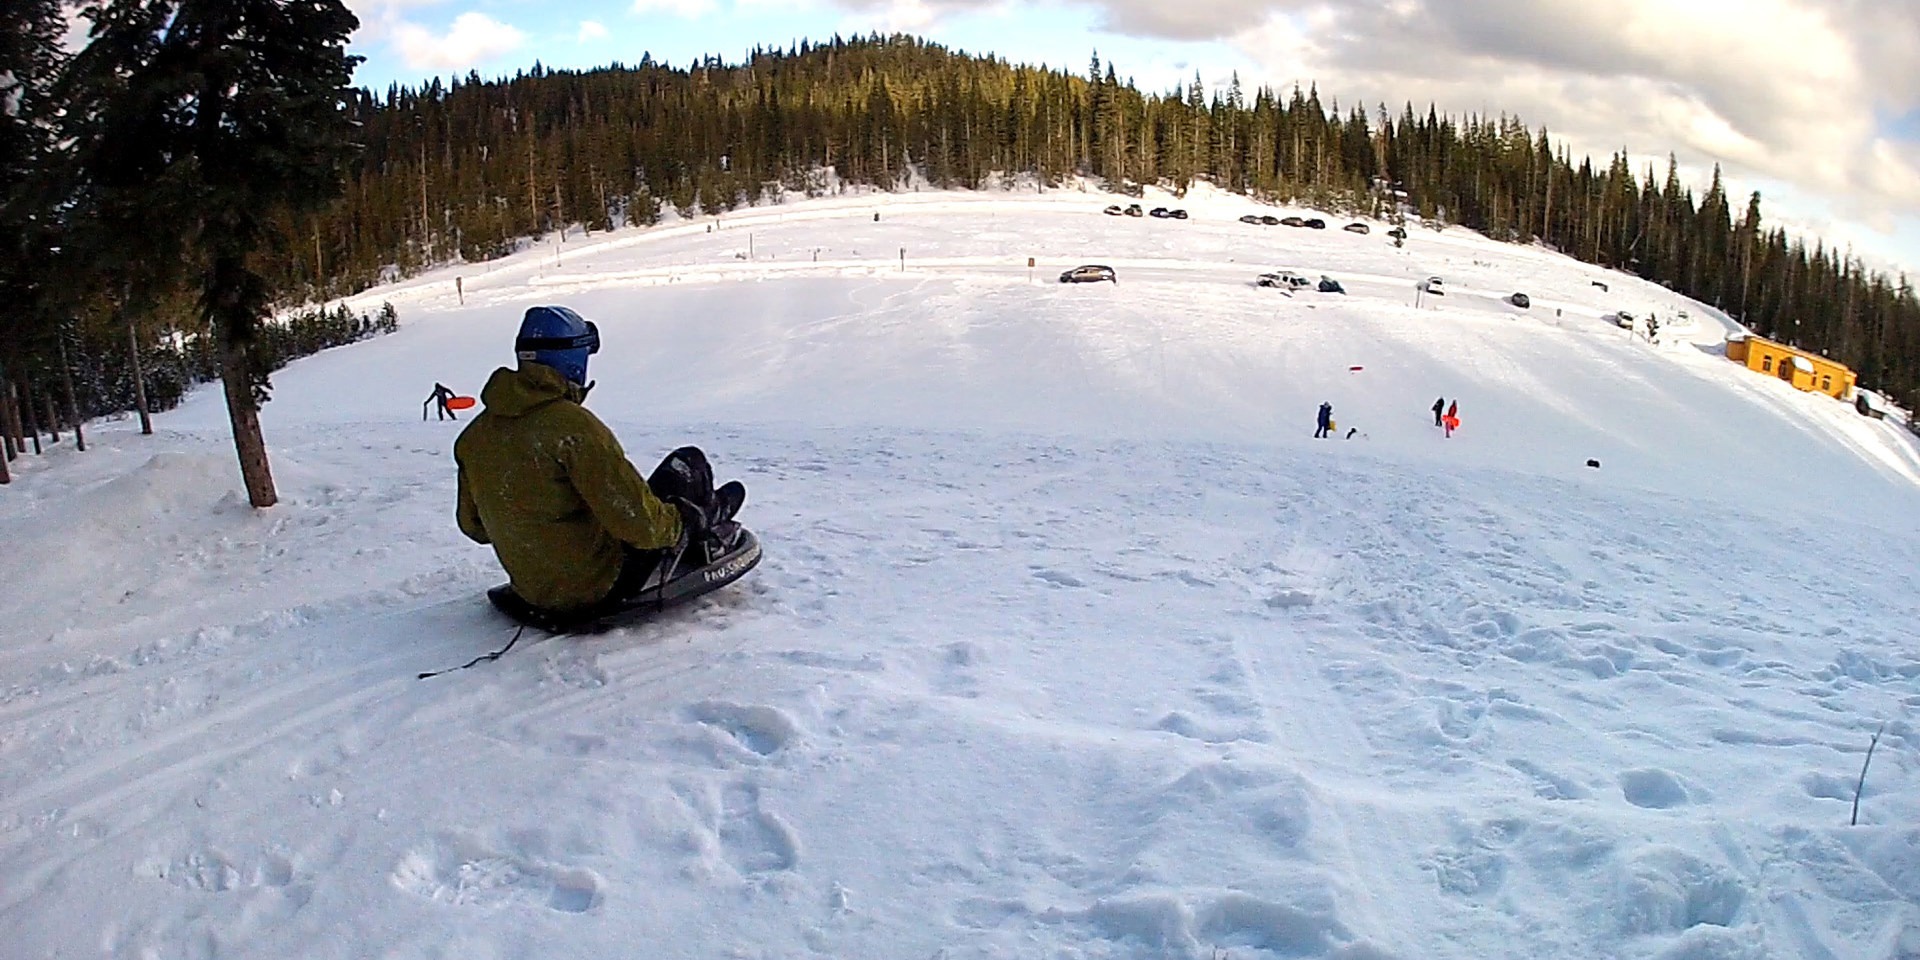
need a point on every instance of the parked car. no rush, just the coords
(1270, 220)
(1359, 228)
(1133, 210)
(1520, 300)
(1432, 285)
(1158, 213)
(1870, 404)
(1398, 233)
(1315, 223)
(1177, 213)
(1285, 279)
(1330, 285)
(1113, 211)
(1620, 319)
(1597, 283)
(1292, 222)
(1089, 273)
(1252, 218)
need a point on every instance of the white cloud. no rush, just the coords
(591, 30)
(1782, 89)
(473, 38)
(380, 18)
(890, 16)
(689, 9)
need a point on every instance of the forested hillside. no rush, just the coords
(468, 169)
(472, 169)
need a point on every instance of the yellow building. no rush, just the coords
(1807, 371)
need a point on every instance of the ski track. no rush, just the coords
(994, 693)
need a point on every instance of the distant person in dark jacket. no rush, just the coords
(1438, 405)
(438, 399)
(1325, 421)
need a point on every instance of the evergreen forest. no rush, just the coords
(477, 168)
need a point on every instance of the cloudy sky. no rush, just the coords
(1815, 103)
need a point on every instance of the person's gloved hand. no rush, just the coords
(695, 527)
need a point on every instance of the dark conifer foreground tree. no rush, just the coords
(204, 121)
(29, 57)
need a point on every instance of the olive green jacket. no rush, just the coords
(545, 482)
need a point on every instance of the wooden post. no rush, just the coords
(73, 404)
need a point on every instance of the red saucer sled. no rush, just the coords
(670, 584)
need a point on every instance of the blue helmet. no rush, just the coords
(557, 337)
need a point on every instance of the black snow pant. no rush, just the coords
(686, 475)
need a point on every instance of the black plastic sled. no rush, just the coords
(664, 588)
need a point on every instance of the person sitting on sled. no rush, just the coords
(545, 482)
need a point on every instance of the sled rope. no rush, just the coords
(483, 658)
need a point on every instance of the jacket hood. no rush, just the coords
(515, 393)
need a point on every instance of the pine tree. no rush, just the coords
(214, 115)
(30, 57)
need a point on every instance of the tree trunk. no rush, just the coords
(139, 376)
(73, 405)
(6, 432)
(244, 415)
(10, 421)
(23, 409)
(53, 417)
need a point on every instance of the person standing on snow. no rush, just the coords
(545, 482)
(1452, 420)
(1325, 421)
(1438, 405)
(440, 395)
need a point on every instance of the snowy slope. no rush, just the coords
(1070, 642)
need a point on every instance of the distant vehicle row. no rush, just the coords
(1095, 272)
(1263, 220)
(1288, 280)
(1311, 223)
(1268, 220)
(1133, 210)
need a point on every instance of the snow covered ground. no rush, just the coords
(1070, 641)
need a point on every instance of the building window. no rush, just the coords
(1766, 364)
(1826, 383)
